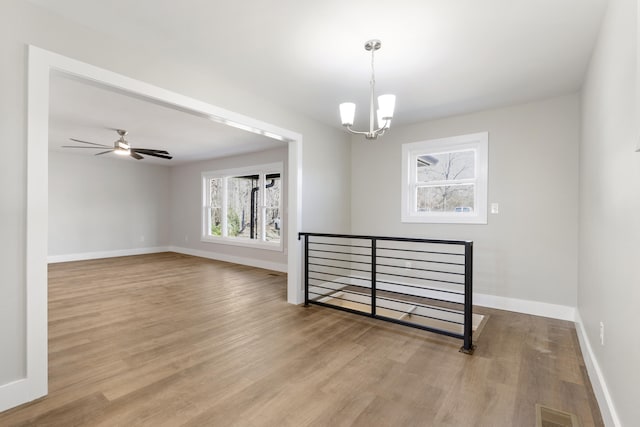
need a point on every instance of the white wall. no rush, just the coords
(527, 251)
(609, 277)
(186, 210)
(325, 151)
(100, 204)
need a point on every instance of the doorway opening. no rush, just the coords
(41, 64)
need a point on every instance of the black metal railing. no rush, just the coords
(422, 283)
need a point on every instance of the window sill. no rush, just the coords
(244, 243)
(444, 219)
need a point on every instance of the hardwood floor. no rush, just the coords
(174, 340)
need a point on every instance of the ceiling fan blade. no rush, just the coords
(104, 152)
(78, 146)
(92, 143)
(149, 150)
(135, 155)
(162, 156)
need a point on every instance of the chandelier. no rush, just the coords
(384, 112)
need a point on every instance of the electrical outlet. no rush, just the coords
(186, 238)
(142, 238)
(495, 208)
(601, 333)
(407, 264)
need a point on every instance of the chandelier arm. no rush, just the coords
(374, 132)
(356, 132)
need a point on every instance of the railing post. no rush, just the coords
(373, 277)
(306, 270)
(468, 346)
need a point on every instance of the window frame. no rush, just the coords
(477, 142)
(262, 171)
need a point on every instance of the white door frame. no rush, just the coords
(41, 64)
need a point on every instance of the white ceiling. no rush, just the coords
(92, 113)
(440, 57)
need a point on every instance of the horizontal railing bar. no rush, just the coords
(342, 283)
(315, 285)
(347, 284)
(343, 260)
(398, 239)
(419, 269)
(342, 268)
(419, 296)
(350, 285)
(320, 296)
(340, 290)
(422, 252)
(341, 299)
(337, 307)
(338, 252)
(333, 274)
(420, 315)
(337, 244)
(421, 278)
(421, 260)
(430, 307)
(418, 287)
(363, 287)
(418, 326)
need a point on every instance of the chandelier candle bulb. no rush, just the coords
(347, 113)
(386, 105)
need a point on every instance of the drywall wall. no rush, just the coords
(325, 151)
(101, 204)
(528, 251)
(609, 278)
(186, 209)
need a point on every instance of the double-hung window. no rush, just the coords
(243, 206)
(445, 180)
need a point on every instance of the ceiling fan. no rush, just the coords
(122, 147)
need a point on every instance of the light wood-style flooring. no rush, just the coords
(174, 340)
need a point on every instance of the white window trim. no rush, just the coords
(479, 142)
(206, 219)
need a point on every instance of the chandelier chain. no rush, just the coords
(373, 71)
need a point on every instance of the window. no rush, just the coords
(243, 206)
(445, 180)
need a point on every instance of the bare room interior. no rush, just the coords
(319, 214)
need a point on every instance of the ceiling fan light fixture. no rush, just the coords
(122, 147)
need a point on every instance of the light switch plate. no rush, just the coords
(495, 208)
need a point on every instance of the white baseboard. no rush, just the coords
(20, 392)
(267, 265)
(187, 251)
(51, 259)
(600, 389)
(537, 308)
